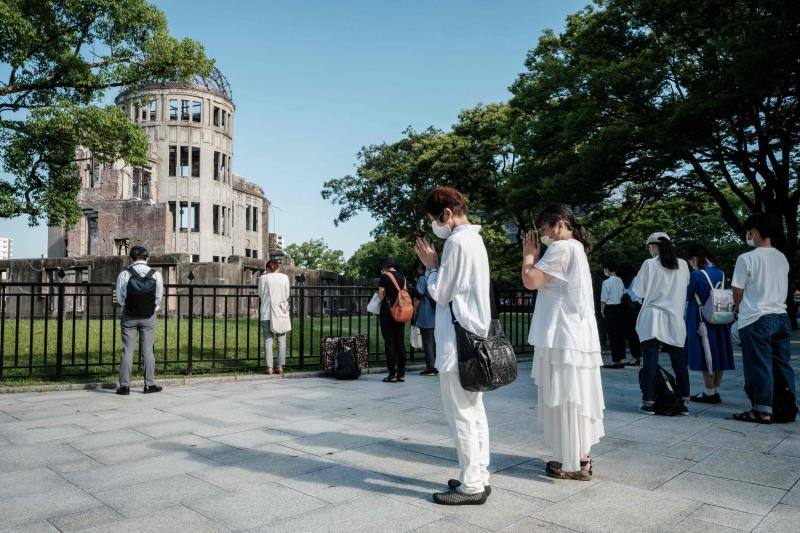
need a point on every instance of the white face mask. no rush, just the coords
(546, 240)
(442, 231)
(750, 241)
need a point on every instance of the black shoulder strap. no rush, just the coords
(133, 271)
(150, 274)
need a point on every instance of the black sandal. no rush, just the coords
(753, 416)
(390, 379)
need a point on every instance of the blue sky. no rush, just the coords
(315, 80)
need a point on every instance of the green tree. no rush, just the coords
(315, 254)
(640, 100)
(60, 57)
(364, 262)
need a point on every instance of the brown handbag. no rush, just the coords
(402, 310)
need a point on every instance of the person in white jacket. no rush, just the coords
(461, 279)
(273, 291)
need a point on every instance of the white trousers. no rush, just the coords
(470, 429)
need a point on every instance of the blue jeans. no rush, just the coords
(765, 345)
(650, 368)
(429, 346)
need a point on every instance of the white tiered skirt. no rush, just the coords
(570, 402)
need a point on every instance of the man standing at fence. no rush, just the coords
(139, 291)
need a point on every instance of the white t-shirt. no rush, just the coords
(763, 275)
(612, 291)
(564, 314)
(463, 279)
(663, 293)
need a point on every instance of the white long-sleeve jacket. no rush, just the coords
(463, 279)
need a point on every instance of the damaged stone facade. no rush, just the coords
(187, 201)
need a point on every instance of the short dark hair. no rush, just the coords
(610, 263)
(273, 265)
(139, 253)
(441, 198)
(699, 251)
(763, 223)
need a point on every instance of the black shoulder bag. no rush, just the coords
(484, 363)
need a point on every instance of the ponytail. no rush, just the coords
(667, 253)
(553, 213)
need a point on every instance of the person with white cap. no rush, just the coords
(662, 282)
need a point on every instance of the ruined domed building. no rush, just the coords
(188, 199)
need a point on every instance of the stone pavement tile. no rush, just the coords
(391, 460)
(423, 431)
(106, 438)
(256, 506)
(743, 438)
(87, 463)
(188, 443)
(638, 469)
(108, 477)
(530, 524)
(698, 526)
(609, 506)
(22, 482)
(168, 429)
(728, 493)
(85, 519)
(683, 424)
(167, 521)
(793, 496)
(726, 517)
(783, 518)
(691, 451)
(310, 426)
(138, 419)
(530, 479)
(19, 510)
(372, 513)
(502, 509)
(789, 446)
(328, 443)
(144, 498)
(40, 526)
(649, 435)
(35, 455)
(252, 438)
(449, 525)
(34, 434)
(340, 484)
(772, 470)
(607, 444)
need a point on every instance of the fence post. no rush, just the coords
(60, 332)
(302, 325)
(191, 324)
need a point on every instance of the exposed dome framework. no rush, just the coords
(216, 81)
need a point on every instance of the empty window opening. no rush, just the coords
(173, 110)
(195, 111)
(184, 109)
(184, 161)
(195, 162)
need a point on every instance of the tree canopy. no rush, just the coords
(315, 254)
(58, 59)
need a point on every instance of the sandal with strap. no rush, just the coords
(753, 416)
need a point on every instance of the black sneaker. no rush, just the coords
(150, 389)
(647, 409)
(685, 410)
(454, 484)
(429, 372)
(453, 497)
(124, 391)
(705, 398)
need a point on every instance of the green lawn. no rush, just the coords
(91, 347)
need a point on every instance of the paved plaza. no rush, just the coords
(315, 454)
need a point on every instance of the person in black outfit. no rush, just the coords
(394, 336)
(631, 305)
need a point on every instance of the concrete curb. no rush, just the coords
(194, 380)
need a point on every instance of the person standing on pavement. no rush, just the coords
(705, 276)
(612, 311)
(459, 285)
(567, 357)
(425, 313)
(394, 336)
(760, 289)
(273, 292)
(662, 282)
(631, 304)
(139, 292)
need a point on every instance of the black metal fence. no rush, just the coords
(71, 330)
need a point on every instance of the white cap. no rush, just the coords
(654, 237)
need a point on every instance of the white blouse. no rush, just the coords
(564, 314)
(462, 278)
(663, 293)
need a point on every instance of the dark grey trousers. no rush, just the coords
(143, 330)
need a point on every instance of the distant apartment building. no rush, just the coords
(5, 248)
(187, 199)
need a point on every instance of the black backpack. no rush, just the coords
(784, 403)
(140, 295)
(345, 365)
(667, 400)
